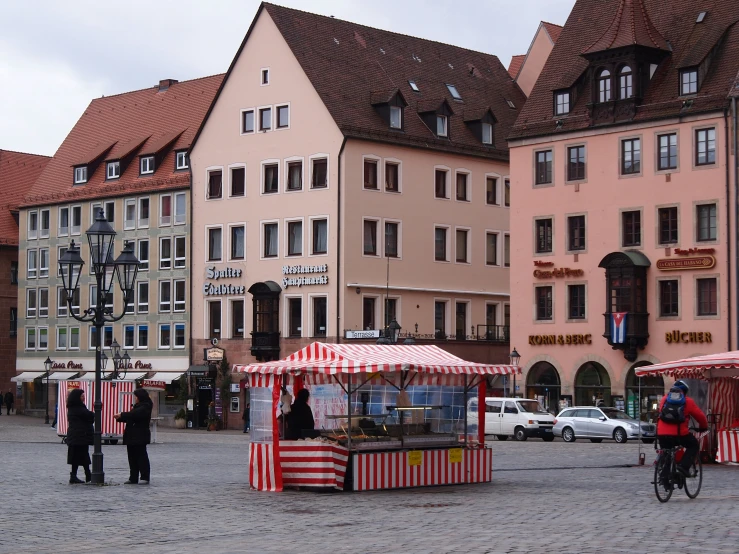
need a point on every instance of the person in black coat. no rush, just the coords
(300, 417)
(9, 401)
(80, 434)
(136, 436)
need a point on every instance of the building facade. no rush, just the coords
(621, 222)
(526, 68)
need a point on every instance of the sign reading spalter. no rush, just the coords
(214, 274)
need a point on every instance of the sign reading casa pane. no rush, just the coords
(303, 270)
(678, 337)
(693, 262)
(539, 340)
(216, 289)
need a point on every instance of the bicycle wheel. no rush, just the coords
(662, 478)
(693, 484)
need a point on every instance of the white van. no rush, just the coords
(517, 417)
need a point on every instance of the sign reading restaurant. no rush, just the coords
(214, 274)
(302, 270)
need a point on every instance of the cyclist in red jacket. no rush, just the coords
(674, 434)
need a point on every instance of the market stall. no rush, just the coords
(387, 416)
(721, 372)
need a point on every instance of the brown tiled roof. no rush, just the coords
(630, 26)
(553, 29)
(18, 172)
(675, 21)
(515, 66)
(345, 62)
(132, 123)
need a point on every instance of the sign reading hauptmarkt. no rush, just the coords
(310, 270)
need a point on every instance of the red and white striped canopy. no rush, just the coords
(335, 359)
(725, 364)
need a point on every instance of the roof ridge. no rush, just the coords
(554, 24)
(24, 153)
(155, 86)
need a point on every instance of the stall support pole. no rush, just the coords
(349, 415)
(465, 409)
(481, 392)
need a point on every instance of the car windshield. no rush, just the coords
(616, 414)
(531, 406)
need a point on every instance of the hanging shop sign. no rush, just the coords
(213, 274)
(692, 262)
(362, 334)
(214, 354)
(310, 270)
(680, 337)
(69, 365)
(552, 272)
(540, 340)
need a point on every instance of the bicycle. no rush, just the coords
(666, 476)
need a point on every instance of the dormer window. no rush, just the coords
(396, 117)
(562, 102)
(80, 175)
(181, 161)
(625, 83)
(454, 92)
(487, 133)
(604, 86)
(389, 104)
(147, 165)
(113, 170)
(442, 126)
(688, 82)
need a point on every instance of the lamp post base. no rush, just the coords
(46, 419)
(98, 475)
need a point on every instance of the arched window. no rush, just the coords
(625, 83)
(604, 86)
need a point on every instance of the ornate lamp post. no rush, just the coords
(120, 363)
(515, 358)
(391, 333)
(47, 365)
(101, 237)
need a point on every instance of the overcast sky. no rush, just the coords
(57, 56)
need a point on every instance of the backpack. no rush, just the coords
(673, 410)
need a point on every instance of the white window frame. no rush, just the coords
(32, 233)
(179, 262)
(71, 334)
(29, 331)
(313, 158)
(142, 223)
(32, 271)
(285, 172)
(175, 346)
(139, 303)
(535, 307)
(377, 298)
(557, 95)
(72, 230)
(162, 221)
(448, 228)
(271, 127)
(241, 121)
(181, 156)
(42, 331)
(682, 88)
(310, 231)
(112, 170)
(499, 254)
(208, 171)
(286, 316)
(230, 241)
(399, 163)
(262, 223)
(447, 187)
(80, 175)
(399, 110)
(378, 239)
(62, 310)
(183, 307)
(43, 270)
(138, 337)
(469, 244)
(229, 317)
(380, 173)
(399, 223)
(262, 83)
(483, 128)
(127, 223)
(263, 165)
(160, 328)
(31, 312)
(126, 346)
(146, 165)
(445, 119)
(44, 233)
(447, 316)
(467, 317)
(176, 216)
(59, 334)
(160, 296)
(286, 223)
(498, 184)
(463, 171)
(277, 107)
(311, 318)
(165, 263)
(148, 254)
(231, 167)
(207, 244)
(63, 231)
(43, 311)
(206, 315)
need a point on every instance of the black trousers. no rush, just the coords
(138, 462)
(688, 441)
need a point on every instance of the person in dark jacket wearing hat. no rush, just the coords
(136, 436)
(79, 435)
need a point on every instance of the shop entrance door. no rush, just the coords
(205, 397)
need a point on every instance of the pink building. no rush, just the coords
(525, 68)
(620, 173)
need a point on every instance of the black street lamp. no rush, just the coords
(515, 358)
(101, 237)
(390, 334)
(47, 365)
(120, 363)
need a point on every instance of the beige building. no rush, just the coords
(525, 68)
(346, 177)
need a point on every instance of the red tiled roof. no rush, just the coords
(127, 124)
(675, 21)
(515, 66)
(630, 26)
(18, 172)
(553, 29)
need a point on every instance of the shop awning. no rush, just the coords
(62, 375)
(27, 376)
(130, 376)
(725, 364)
(166, 376)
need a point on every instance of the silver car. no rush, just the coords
(596, 424)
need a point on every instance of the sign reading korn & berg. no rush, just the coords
(214, 274)
(303, 270)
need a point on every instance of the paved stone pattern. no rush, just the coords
(545, 497)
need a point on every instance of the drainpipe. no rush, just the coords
(728, 232)
(736, 203)
(338, 245)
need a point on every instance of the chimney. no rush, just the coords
(164, 84)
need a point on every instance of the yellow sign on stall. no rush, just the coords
(415, 458)
(455, 455)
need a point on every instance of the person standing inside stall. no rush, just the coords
(136, 436)
(80, 434)
(300, 417)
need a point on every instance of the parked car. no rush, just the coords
(517, 417)
(596, 424)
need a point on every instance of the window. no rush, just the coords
(129, 214)
(487, 133)
(707, 296)
(491, 248)
(706, 222)
(561, 103)
(80, 175)
(147, 165)
(215, 184)
(265, 119)
(113, 170)
(45, 224)
(180, 258)
(143, 254)
(491, 191)
(238, 235)
(238, 181)
(392, 177)
(13, 273)
(295, 176)
(414, 86)
(507, 193)
(543, 167)
(544, 230)
(76, 219)
(440, 319)
(271, 174)
(462, 247)
(368, 313)
(575, 163)
(576, 232)
(461, 320)
(179, 335)
(181, 160)
(667, 151)
(370, 174)
(61, 338)
(576, 295)
(179, 295)
(109, 210)
(440, 181)
(142, 340)
(237, 319)
(283, 117)
(667, 225)
(130, 303)
(30, 338)
(165, 335)
(319, 177)
(391, 239)
(247, 121)
(442, 123)
(43, 266)
(165, 210)
(668, 298)
(13, 322)
(688, 82)
(215, 236)
(319, 316)
(43, 338)
(43, 302)
(165, 296)
(295, 316)
(705, 146)
(270, 240)
(265, 76)
(129, 336)
(625, 83)
(544, 310)
(63, 222)
(631, 227)
(454, 92)
(320, 236)
(396, 117)
(31, 303)
(180, 205)
(142, 305)
(440, 244)
(462, 192)
(74, 338)
(507, 250)
(604, 86)
(33, 225)
(214, 318)
(61, 302)
(165, 253)
(294, 238)
(32, 266)
(370, 237)
(630, 156)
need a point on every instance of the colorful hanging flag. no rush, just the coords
(618, 327)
